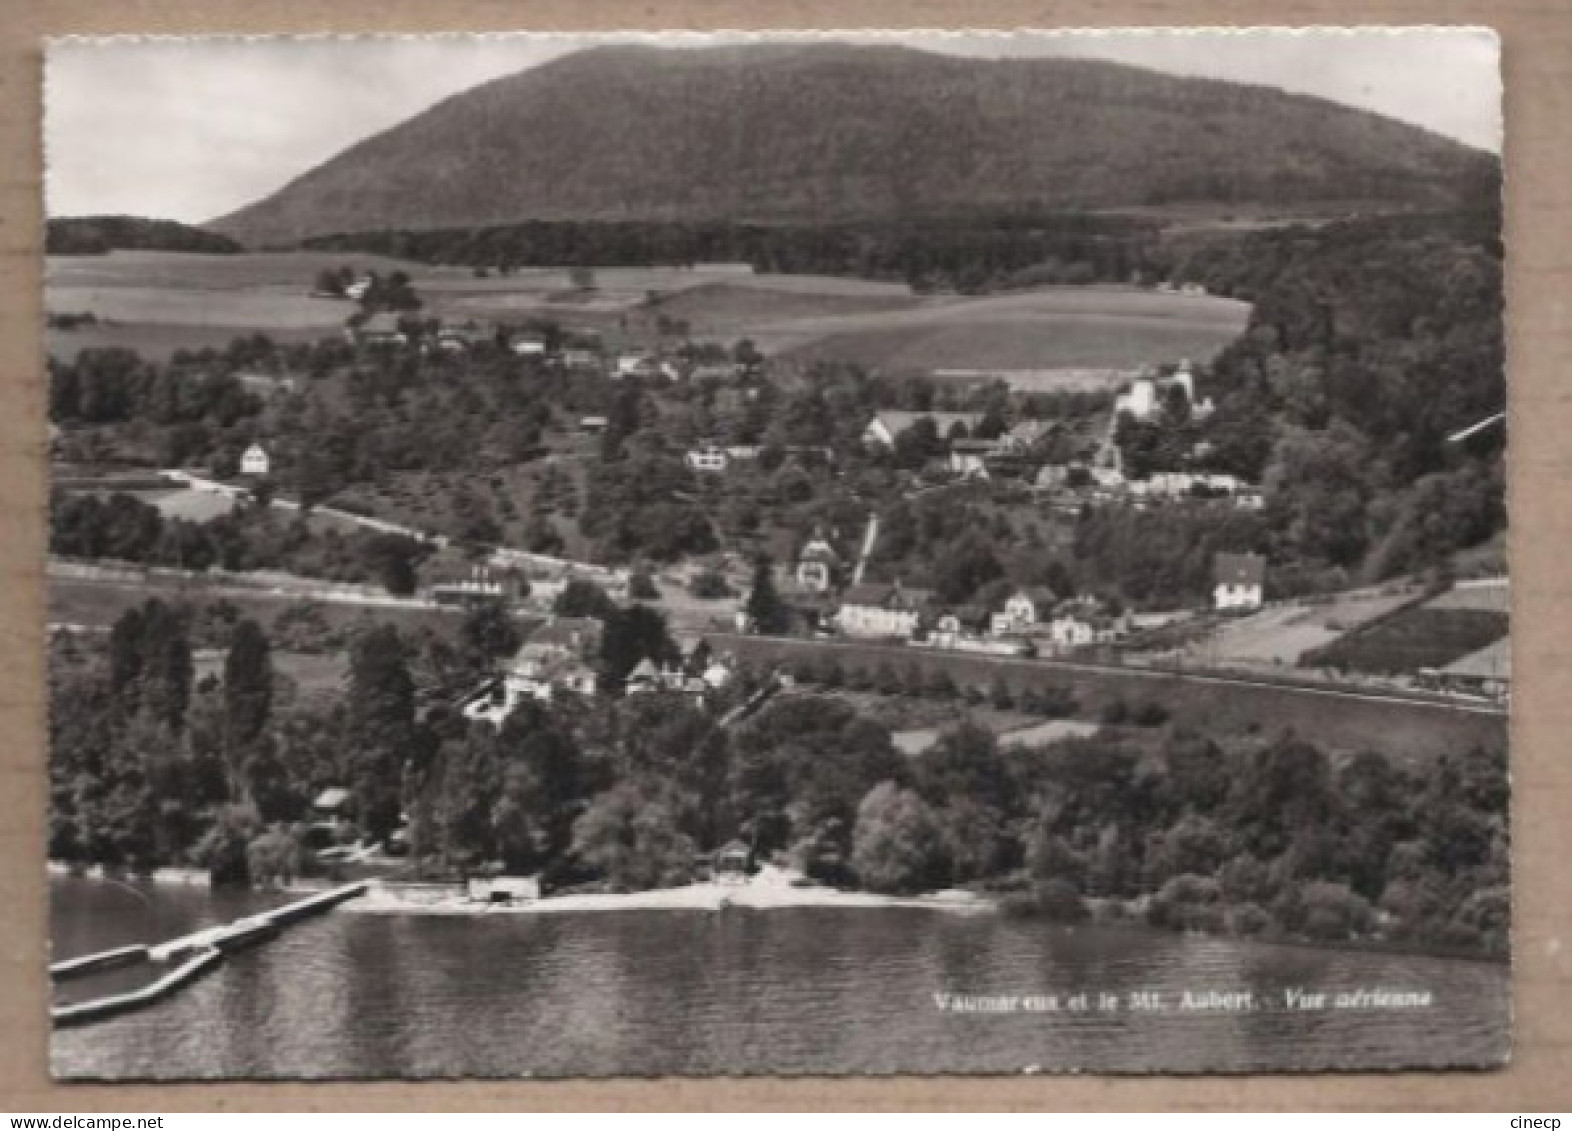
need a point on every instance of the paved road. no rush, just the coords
(503, 557)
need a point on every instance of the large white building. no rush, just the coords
(874, 610)
(1146, 396)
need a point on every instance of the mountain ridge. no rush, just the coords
(788, 133)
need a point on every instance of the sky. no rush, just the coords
(191, 129)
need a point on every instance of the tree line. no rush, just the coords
(961, 253)
(1247, 833)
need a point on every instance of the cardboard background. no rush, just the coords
(1537, 63)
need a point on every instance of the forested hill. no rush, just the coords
(97, 235)
(833, 133)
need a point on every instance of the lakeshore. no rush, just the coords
(772, 888)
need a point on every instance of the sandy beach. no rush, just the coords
(773, 887)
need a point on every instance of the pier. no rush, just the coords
(196, 954)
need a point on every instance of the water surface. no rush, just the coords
(793, 991)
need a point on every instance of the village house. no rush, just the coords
(711, 372)
(1239, 582)
(645, 676)
(710, 459)
(1148, 394)
(1082, 621)
(644, 365)
(817, 566)
(254, 461)
(381, 329)
(1025, 610)
(528, 344)
(874, 610)
(1025, 435)
(957, 625)
(558, 655)
(886, 426)
(460, 339)
(593, 425)
(359, 289)
(478, 586)
(498, 698)
(1486, 673)
(556, 659)
(969, 458)
(1071, 630)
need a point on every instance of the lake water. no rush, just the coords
(799, 991)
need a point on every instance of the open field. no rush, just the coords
(730, 306)
(1280, 635)
(1060, 328)
(196, 506)
(264, 308)
(1412, 730)
(159, 341)
(313, 675)
(98, 604)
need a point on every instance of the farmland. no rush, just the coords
(1421, 637)
(157, 302)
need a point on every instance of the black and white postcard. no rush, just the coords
(762, 554)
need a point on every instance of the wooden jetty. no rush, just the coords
(196, 954)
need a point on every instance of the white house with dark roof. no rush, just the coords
(254, 461)
(1239, 582)
(817, 565)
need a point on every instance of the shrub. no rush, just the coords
(1150, 714)
(1187, 903)
(1059, 901)
(898, 845)
(1247, 920)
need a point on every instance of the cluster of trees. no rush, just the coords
(114, 386)
(967, 254)
(1370, 343)
(644, 505)
(99, 235)
(123, 528)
